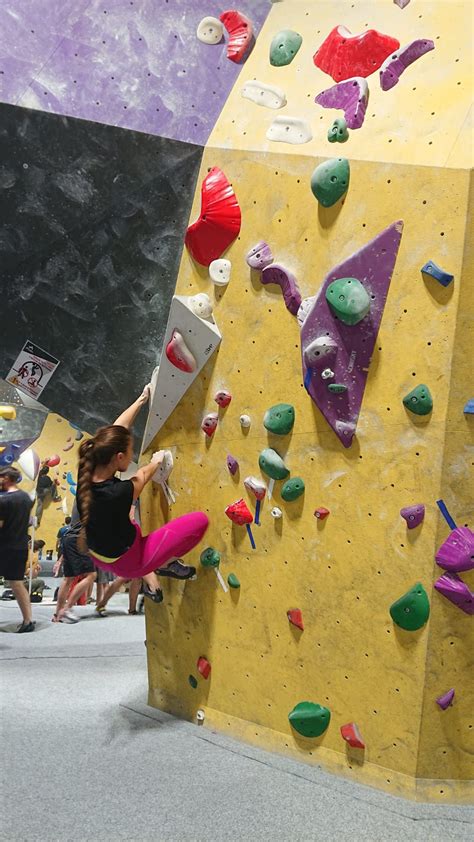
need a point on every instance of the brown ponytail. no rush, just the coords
(99, 450)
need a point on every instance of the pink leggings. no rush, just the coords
(174, 539)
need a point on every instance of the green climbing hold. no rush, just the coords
(193, 681)
(232, 581)
(330, 181)
(279, 419)
(292, 489)
(337, 388)
(419, 400)
(284, 47)
(412, 610)
(338, 132)
(348, 300)
(210, 557)
(310, 719)
(272, 464)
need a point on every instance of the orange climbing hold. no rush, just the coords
(240, 31)
(204, 666)
(219, 222)
(296, 618)
(351, 734)
(344, 56)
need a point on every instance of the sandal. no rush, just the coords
(101, 610)
(132, 612)
(55, 618)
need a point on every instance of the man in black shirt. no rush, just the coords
(15, 508)
(45, 492)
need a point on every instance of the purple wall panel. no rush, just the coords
(130, 63)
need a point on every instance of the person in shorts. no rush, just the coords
(75, 563)
(15, 511)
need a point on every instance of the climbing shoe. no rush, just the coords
(155, 596)
(177, 570)
(26, 627)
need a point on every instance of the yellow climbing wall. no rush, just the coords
(345, 572)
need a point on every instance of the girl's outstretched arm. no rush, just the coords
(127, 417)
(145, 473)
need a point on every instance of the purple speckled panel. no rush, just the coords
(131, 63)
(373, 266)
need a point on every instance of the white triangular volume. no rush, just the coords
(168, 383)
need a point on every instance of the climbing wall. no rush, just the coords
(409, 161)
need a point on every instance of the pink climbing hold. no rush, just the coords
(402, 4)
(351, 734)
(209, 423)
(223, 398)
(343, 55)
(232, 464)
(453, 588)
(240, 31)
(446, 699)
(53, 461)
(204, 666)
(68, 447)
(276, 274)
(351, 96)
(457, 553)
(296, 618)
(321, 513)
(259, 256)
(397, 63)
(413, 515)
(179, 354)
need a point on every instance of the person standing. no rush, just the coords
(61, 531)
(15, 509)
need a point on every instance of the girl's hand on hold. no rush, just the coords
(157, 457)
(145, 395)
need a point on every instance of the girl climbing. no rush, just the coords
(103, 500)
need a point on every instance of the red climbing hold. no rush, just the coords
(53, 461)
(343, 55)
(296, 618)
(179, 354)
(239, 513)
(321, 513)
(204, 666)
(351, 734)
(219, 222)
(240, 31)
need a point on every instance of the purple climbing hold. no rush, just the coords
(352, 96)
(259, 256)
(232, 464)
(453, 588)
(457, 553)
(446, 699)
(397, 62)
(413, 515)
(373, 265)
(401, 3)
(276, 274)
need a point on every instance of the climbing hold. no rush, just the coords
(351, 96)
(295, 617)
(210, 31)
(338, 132)
(320, 351)
(8, 413)
(453, 588)
(401, 3)
(219, 271)
(78, 436)
(209, 423)
(272, 464)
(239, 513)
(259, 256)
(29, 463)
(321, 513)
(203, 666)
(53, 461)
(469, 407)
(412, 610)
(327, 374)
(276, 513)
(232, 464)
(223, 398)
(284, 47)
(446, 699)
(210, 557)
(279, 419)
(219, 221)
(201, 305)
(337, 388)
(70, 479)
(277, 274)
(292, 489)
(351, 734)
(413, 515)
(179, 354)
(310, 719)
(343, 55)
(289, 130)
(330, 180)
(397, 62)
(193, 681)
(419, 400)
(258, 488)
(9, 454)
(438, 274)
(232, 581)
(456, 554)
(240, 31)
(267, 95)
(245, 421)
(348, 300)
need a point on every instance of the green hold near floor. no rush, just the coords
(310, 719)
(292, 489)
(279, 419)
(419, 400)
(348, 300)
(284, 47)
(412, 610)
(330, 180)
(232, 581)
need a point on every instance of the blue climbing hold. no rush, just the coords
(469, 408)
(444, 278)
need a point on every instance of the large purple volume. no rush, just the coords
(453, 588)
(351, 346)
(457, 552)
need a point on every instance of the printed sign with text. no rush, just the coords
(32, 370)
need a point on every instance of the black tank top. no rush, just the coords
(109, 530)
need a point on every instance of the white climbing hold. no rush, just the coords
(290, 130)
(276, 512)
(327, 374)
(210, 30)
(245, 421)
(201, 305)
(267, 95)
(219, 272)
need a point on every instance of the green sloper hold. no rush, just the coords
(348, 300)
(412, 610)
(193, 681)
(279, 419)
(284, 47)
(330, 181)
(338, 132)
(232, 581)
(337, 388)
(419, 400)
(210, 557)
(272, 464)
(309, 719)
(292, 489)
